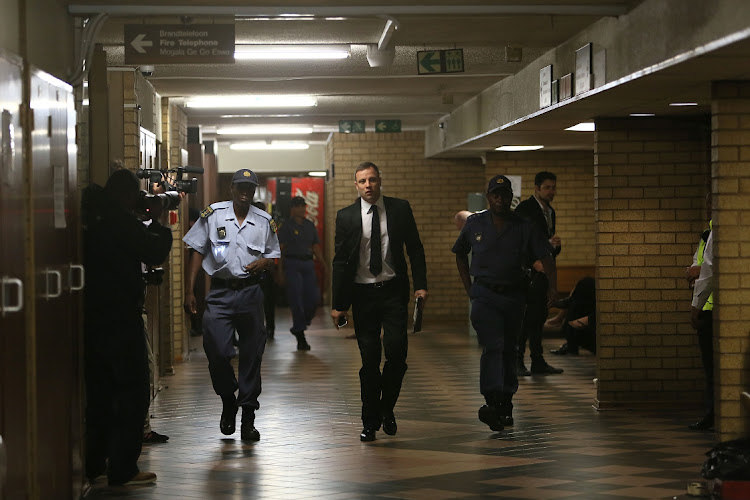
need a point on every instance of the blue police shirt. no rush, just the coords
(500, 257)
(228, 247)
(298, 239)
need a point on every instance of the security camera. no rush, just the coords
(147, 70)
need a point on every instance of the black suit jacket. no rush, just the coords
(529, 209)
(402, 232)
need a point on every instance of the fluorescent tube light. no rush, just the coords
(518, 148)
(264, 130)
(252, 101)
(290, 52)
(683, 104)
(317, 174)
(642, 114)
(583, 127)
(260, 145)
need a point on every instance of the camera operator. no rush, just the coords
(116, 243)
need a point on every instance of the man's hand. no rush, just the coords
(258, 266)
(423, 294)
(695, 317)
(335, 315)
(691, 274)
(189, 305)
(555, 241)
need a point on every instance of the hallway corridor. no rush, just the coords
(309, 423)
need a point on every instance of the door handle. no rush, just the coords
(6, 284)
(48, 293)
(74, 269)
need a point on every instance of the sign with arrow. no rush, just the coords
(179, 43)
(431, 62)
(352, 126)
(385, 126)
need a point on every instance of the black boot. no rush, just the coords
(248, 432)
(490, 413)
(506, 410)
(302, 344)
(228, 415)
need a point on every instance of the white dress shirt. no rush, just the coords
(704, 285)
(363, 271)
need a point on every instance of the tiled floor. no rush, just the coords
(309, 422)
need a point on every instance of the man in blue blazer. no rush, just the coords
(370, 275)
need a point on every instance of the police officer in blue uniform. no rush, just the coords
(500, 243)
(234, 242)
(299, 244)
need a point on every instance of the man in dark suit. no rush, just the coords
(538, 210)
(370, 275)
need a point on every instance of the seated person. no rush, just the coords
(579, 326)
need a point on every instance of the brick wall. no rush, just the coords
(651, 180)
(574, 202)
(730, 155)
(436, 190)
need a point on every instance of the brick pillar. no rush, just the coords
(730, 154)
(651, 177)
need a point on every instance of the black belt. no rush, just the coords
(236, 284)
(377, 284)
(496, 287)
(299, 257)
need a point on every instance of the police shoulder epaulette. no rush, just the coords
(272, 223)
(207, 211)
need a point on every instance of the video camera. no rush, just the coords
(153, 276)
(173, 182)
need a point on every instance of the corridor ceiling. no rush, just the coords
(351, 89)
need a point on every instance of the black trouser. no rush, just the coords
(117, 396)
(706, 344)
(534, 318)
(269, 302)
(373, 308)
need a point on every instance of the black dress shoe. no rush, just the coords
(367, 434)
(521, 370)
(563, 349)
(489, 416)
(703, 424)
(545, 369)
(302, 344)
(389, 425)
(248, 432)
(228, 417)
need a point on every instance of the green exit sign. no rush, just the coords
(440, 61)
(386, 126)
(352, 126)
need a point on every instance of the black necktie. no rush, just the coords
(376, 259)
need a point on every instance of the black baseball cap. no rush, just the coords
(245, 175)
(298, 201)
(499, 182)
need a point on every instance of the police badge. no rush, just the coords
(222, 232)
(478, 236)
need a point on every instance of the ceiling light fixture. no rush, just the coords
(683, 103)
(317, 174)
(289, 52)
(264, 130)
(518, 148)
(252, 101)
(641, 114)
(275, 145)
(583, 127)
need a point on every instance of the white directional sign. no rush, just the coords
(179, 43)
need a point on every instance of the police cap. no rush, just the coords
(499, 182)
(298, 201)
(245, 175)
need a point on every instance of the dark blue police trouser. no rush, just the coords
(117, 394)
(497, 320)
(372, 308)
(534, 318)
(302, 291)
(226, 311)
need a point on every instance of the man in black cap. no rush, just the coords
(501, 244)
(299, 243)
(234, 242)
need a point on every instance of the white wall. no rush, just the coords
(268, 162)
